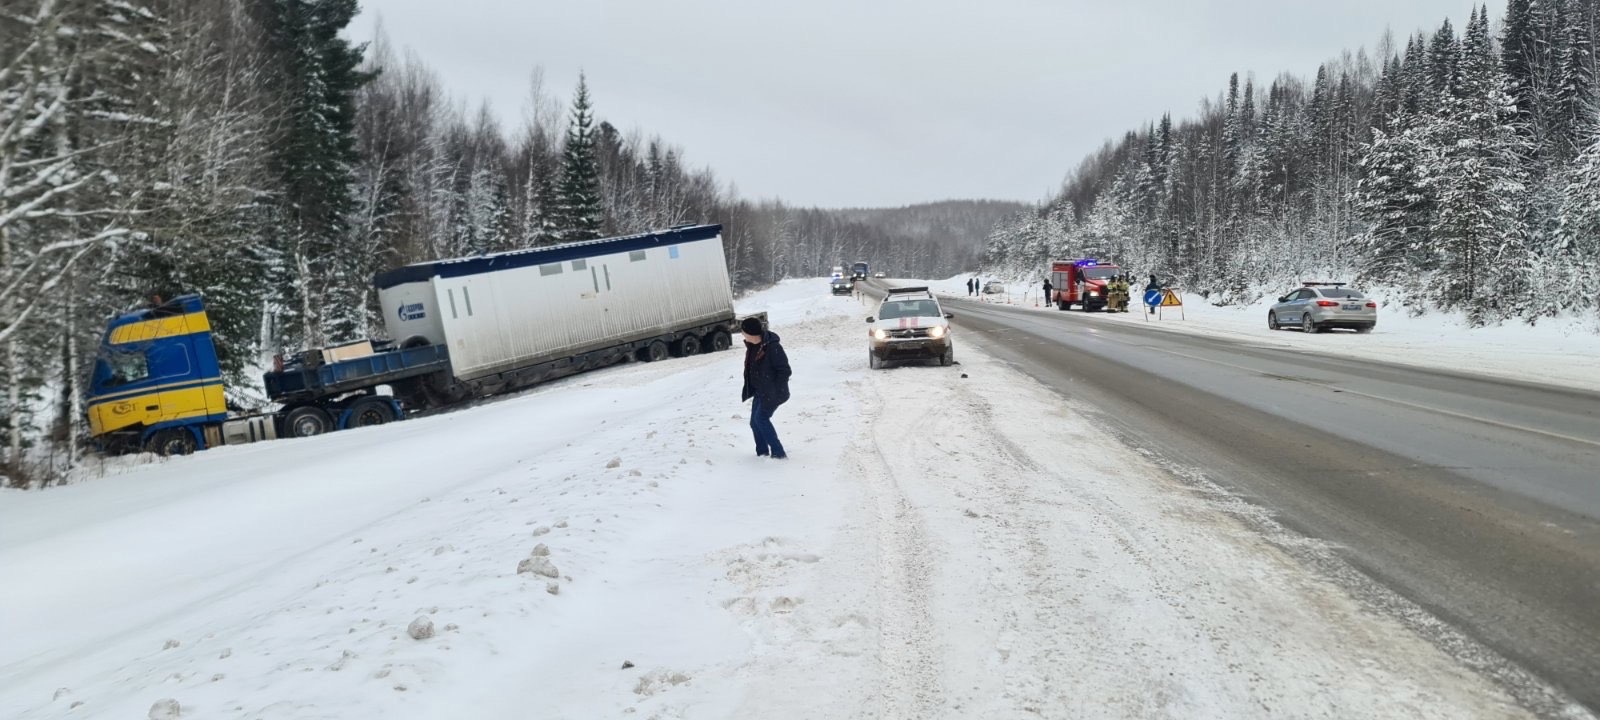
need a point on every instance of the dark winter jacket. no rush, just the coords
(766, 372)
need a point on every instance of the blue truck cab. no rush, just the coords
(156, 381)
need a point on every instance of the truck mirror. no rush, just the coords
(949, 316)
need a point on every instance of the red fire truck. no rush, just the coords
(1080, 282)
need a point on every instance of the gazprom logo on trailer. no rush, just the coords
(414, 311)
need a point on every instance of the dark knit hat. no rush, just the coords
(751, 326)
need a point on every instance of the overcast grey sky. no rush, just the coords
(884, 102)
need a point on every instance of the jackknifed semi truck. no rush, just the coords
(457, 329)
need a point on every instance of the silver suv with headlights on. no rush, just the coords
(910, 325)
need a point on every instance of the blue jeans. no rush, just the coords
(766, 435)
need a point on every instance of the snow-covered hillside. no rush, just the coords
(609, 546)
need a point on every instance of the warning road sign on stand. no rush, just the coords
(1158, 300)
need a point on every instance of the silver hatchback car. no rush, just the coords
(1319, 306)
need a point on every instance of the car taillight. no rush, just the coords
(1372, 305)
(1327, 303)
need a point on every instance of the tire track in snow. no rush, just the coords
(909, 658)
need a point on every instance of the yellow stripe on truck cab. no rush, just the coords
(192, 402)
(175, 326)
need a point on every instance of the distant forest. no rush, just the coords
(1458, 170)
(244, 150)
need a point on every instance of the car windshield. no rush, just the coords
(1099, 273)
(909, 308)
(1341, 293)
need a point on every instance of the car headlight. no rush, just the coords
(880, 334)
(1094, 293)
(936, 332)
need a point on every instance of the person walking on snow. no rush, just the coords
(766, 379)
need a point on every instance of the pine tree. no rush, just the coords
(1443, 52)
(1573, 97)
(581, 215)
(320, 74)
(1519, 46)
(1479, 184)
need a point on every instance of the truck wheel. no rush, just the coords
(306, 421)
(370, 412)
(173, 441)
(655, 352)
(719, 341)
(686, 346)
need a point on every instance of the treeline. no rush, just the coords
(1461, 171)
(242, 149)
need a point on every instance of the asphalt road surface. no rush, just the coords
(1475, 499)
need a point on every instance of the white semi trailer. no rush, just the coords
(513, 319)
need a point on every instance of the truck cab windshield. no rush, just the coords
(115, 369)
(1099, 273)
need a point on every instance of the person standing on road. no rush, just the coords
(969, 286)
(1047, 288)
(766, 380)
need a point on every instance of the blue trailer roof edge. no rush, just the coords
(540, 256)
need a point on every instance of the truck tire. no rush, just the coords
(686, 346)
(655, 352)
(369, 412)
(719, 341)
(172, 441)
(305, 421)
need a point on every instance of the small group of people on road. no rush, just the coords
(974, 287)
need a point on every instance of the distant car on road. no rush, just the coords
(910, 325)
(994, 287)
(840, 286)
(1319, 306)
(880, 274)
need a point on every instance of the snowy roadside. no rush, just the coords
(1559, 351)
(923, 554)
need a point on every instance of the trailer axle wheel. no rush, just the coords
(686, 346)
(370, 412)
(306, 421)
(719, 341)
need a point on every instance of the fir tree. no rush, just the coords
(1479, 184)
(1442, 57)
(319, 78)
(581, 215)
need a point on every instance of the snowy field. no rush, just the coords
(1559, 351)
(609, 546)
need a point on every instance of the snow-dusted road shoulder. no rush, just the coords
(944, 543)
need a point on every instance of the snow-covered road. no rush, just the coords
(944, 543)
